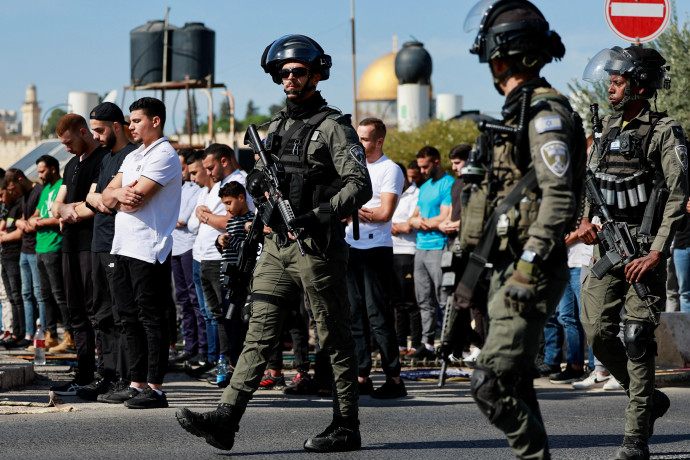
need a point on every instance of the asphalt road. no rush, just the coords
(429, 424)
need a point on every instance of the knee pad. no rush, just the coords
(639, 341)
(487, 393)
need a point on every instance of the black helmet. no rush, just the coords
(511, 28)
(298, 48)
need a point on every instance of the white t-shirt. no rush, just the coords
(146, 234)
(193, 224)
(406, 243)
(386, 177)
(579, 254)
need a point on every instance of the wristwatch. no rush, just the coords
(529, 256)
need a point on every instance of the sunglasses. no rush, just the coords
(297, 72)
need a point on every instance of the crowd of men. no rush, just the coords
(358, 245)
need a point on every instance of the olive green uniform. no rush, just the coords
(603, 300)
(505, 391)
(283, 274)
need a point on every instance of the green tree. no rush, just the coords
(444, 135)
(275, 108)
(251, 109)
(224, 110)
(51, 123)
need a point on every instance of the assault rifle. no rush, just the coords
(597, 125)
(450, 265)
(618, 243)
(236, 278)
(272, 174)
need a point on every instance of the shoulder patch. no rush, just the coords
(357, 152)
(682, 155)
(556, 157)
(550, 123)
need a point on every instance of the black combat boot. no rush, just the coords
(342, 435)
(660, 404)
(218, 427)
(633, 448)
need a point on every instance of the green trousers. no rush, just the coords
(510, 351)
(280, 276)
(607, 302)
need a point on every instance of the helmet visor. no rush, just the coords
(606, 63)
(476, 16)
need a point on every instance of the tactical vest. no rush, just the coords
(623, 172)
(509, 164)
(305, 187)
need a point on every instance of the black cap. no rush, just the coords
(107, 111)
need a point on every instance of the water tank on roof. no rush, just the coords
(193, 52)
(413, 64)
(146, 52)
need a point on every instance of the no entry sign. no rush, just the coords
(637, 21)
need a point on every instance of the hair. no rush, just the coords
(151, 107)
(460, 152)
(50, 161)
(71, 122)
(233, 189)
(413, 165)
(429, 152)
(220, 151)
(185, 153)
(379, 127)
(2, 174)
(402, 168)
(194, 156)
(18, 177)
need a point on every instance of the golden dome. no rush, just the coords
(378, 82)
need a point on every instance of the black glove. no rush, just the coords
(521, 288)
(305, 221)
(255, 184)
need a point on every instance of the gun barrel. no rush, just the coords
(595, 194)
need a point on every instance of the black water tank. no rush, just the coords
(146, 52)
(193, 52)
(413, 64)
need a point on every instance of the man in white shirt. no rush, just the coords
(369, 266)
(219, 163)
(409, 320)
(147, 192)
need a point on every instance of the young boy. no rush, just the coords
(234, 197)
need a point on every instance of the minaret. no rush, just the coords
(31, 114)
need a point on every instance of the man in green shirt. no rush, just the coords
(49, 254)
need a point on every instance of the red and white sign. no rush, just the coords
(637, 21)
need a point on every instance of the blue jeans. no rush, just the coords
(681, 257)
(566, 321)
(31, 292)
(211, 323)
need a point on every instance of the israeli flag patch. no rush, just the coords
(546, 124)
(615, 145)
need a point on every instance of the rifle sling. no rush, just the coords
(479, 257)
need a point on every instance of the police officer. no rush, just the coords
(326, 180)
(521, 198)
(648, 146)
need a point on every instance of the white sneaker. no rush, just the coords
(594, 378)
(471, 358)
(612, 385)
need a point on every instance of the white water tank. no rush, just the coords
(413, 106)
(81, 103)
(448, 106)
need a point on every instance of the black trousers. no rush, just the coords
(142, 292)
(213, 293)
(404, 301)
(112, 347)
(12, 279)
(53, 291)
(76, 272)
(368, 288)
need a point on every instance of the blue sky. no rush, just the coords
(74, 45)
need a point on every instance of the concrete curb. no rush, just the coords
(15, 372)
